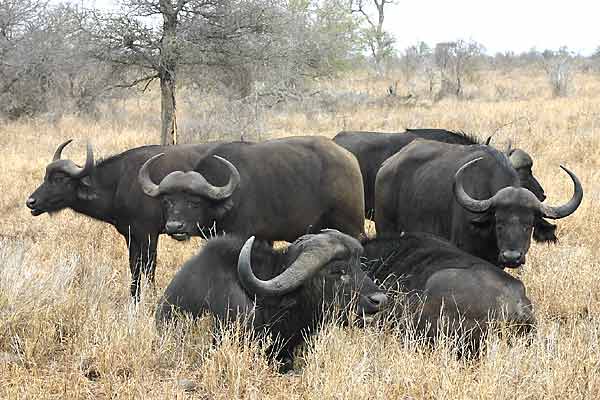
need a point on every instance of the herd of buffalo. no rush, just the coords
(450, 214)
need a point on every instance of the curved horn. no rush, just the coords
(571, 206)
(223, 192)
(149, 187)
(59, 150)
(309, 261)
(77, 172)
(466, 201)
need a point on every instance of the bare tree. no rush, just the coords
(456, 62)
(558, 65)
(17, 19)
(43, 65)
(417, 61)
(379, 42)
(205, 32)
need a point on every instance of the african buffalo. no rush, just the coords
(373, 148)
(282, 291)
(275, 190)
(436, 279)
(432, 187)
(109, 191)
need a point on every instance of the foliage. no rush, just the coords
(375, 39)
(43, 64)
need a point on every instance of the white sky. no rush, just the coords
(516, 25)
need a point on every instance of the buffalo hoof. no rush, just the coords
(286, 366)
(88, 369)
(187, 385)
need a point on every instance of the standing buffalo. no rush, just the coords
(373, 148)
(447, 289)
(109, 191)
(434, 187)
(275, 190)
(283, 291)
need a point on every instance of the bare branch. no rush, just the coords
(148, 79)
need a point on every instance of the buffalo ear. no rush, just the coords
(84, 189)
(544, 231)
(221, 208)
(288, 302)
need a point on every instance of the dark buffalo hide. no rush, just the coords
(276, 190)
(439, 288)
(109, 191)
(373, 148)
(283, 292)
(470, 195)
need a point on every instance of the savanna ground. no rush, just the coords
(68, 328)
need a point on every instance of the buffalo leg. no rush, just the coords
(135, 268)
(142, 259)
(148, 257)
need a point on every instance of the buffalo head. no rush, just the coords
(327, 270)
(511, 213)
(64, 183)
(189, 201)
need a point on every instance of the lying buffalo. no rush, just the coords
(109, 191)
(373, 148)
(437, 280)
(275, 190)
(282, 291)
(470, 195)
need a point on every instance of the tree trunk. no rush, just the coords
(167, 73)
(168, 131)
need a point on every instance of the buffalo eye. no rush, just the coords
(196, 203)
(59, 179)
(483, 222)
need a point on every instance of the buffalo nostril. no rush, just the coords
(30, 202)
(378, 299)
(511, 255)
(174, 226)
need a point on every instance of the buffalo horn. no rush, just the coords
(59, 150)
(309, 261)
(215, 192)
(73, 170)
(466, 201)
(571, 206)
(149, 187)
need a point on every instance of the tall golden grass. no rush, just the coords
(68, 328)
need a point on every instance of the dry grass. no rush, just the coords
(69, 330)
